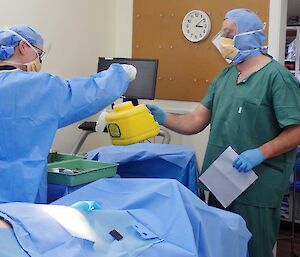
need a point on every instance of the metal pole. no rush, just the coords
(166, 136)
(80, 141)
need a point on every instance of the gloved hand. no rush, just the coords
(130, 70)
(86, 205)
(159, 115)
(101, 123)
(248, 160)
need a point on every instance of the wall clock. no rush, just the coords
(196, 25)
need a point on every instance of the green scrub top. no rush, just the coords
(248, 114)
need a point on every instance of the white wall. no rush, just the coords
(277, 25)
(80, 32)
(77, 31)
(124, 12)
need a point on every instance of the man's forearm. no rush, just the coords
(287, 140)
(186, 124)
(180, 123)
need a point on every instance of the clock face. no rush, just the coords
(196, 25)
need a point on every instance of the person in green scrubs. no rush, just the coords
(253, 105)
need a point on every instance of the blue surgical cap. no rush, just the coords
(246, 21)
(9, 40)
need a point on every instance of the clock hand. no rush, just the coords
(197, 26)
(199, 22)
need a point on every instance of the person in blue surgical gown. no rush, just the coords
(33, 105)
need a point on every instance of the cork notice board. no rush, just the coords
(185, 68)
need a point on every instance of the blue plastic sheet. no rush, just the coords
(75, 231)
(152, 161)
(9, 246)
(188, 226)
(40, 235)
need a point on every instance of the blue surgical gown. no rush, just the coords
(32, 107)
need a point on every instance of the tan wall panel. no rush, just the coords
(185, 68)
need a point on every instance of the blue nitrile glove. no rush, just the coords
(248, 160)
(159, 115)
(86, 206)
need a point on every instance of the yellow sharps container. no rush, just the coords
(128, 124)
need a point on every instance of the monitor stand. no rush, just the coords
(134, 101)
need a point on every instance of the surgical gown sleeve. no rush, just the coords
(79, 98)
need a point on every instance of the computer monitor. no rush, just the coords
(143, 87)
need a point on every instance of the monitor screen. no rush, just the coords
(143, 87)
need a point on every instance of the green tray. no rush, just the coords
(88, 171)
(57, 157)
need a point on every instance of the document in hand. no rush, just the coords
(224, 181)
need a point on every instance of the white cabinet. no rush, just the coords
(292, 53)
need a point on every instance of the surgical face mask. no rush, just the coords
(227, 45)
(227, 48)
(36, 64)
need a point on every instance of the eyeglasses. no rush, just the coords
(227, 32)
(41, 52)
(227, 35)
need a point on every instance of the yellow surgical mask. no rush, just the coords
(35, 65)
(227, 48)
